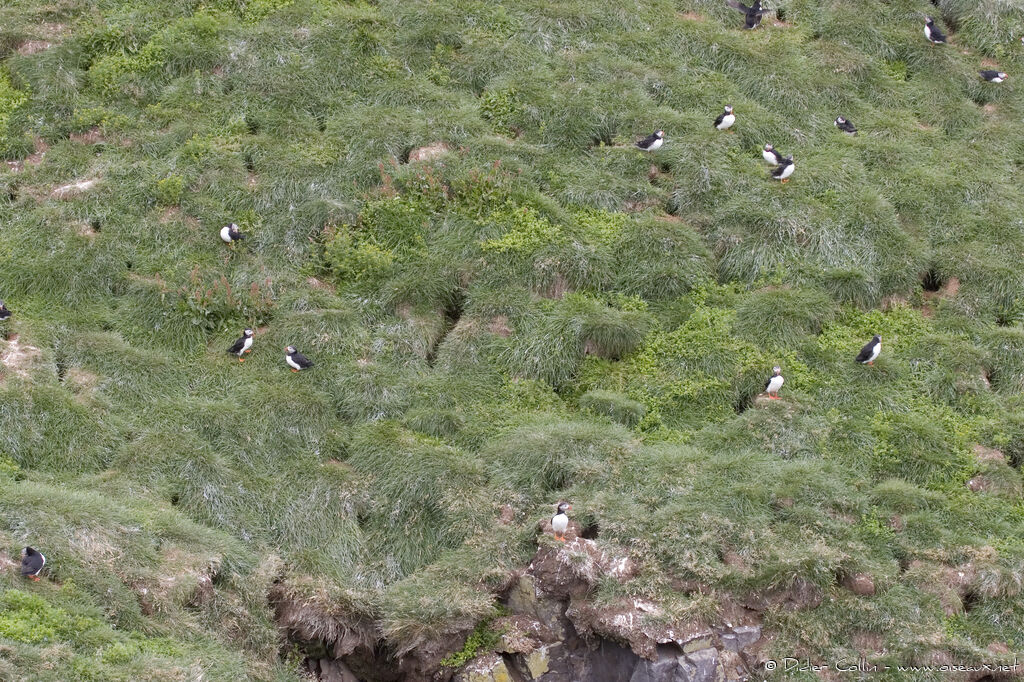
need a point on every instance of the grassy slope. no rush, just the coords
(378, 477)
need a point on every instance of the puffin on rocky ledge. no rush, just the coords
(242, 346)
(32, 562)
(774, 383)
(725, 119)
(296, 360)
(869, 353)
(652, 142)
(560, 521)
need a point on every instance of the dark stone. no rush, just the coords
(747, 635)
(699, 666)
(661, 670)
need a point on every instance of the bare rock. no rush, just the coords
(429, 152)
(487, 668)
(699, 666)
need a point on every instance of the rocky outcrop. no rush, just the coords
(557, 633)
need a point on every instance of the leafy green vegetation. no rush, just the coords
(508, 305)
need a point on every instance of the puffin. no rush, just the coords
(652, 142)
(242, 346)
(784, 169)
(845, 126)
(296, 360)
(753, 13)
(932, 32)
(4, 312)
(993, 76)
(774, 383)
(560, 521)
(32, 562)
(870, 351)
(229, 234)
(725, 119)
(770, 155)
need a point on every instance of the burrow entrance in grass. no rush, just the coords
(591, 531)
(452, 314)
(931, 280)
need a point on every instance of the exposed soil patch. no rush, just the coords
(18, 357)
(90, 136)
(499, 325)
(30, 47)
(429, 152)
(320, 285)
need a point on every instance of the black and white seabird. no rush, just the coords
(229, 234)
(4, 312)
(993, 76)
(296, 360)
(770, 155)
(932, 32)
(870, 351)
(725, 119)
(560, 521)
(845, 126)
(242, 346)
(752, 14)
(32, 562)
(784, 169)
(652, 142)
(774, 383)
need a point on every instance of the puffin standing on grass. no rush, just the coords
(725, 119)
(32, 562)
(870, 351)
(774, 384)
(845, 126)
(770, 155)
(230, 234)
(652, 142)
(784, 169)
(560, 521)
(296, 360)
(993, 76)
(4, 312)
(932, 32)
(752, 14)
(242, 346)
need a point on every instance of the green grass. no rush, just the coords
(542, 312)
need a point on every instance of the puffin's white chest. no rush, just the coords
(875, 351)
(727, 121)
(291, 363)
(775, 384)
(997, 79)
(247, 344)
(769, 157)
(559, 523)
(225, 234)
(656, 145)
(787, 171)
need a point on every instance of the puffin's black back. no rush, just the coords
(865, 352)
(31, 562)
